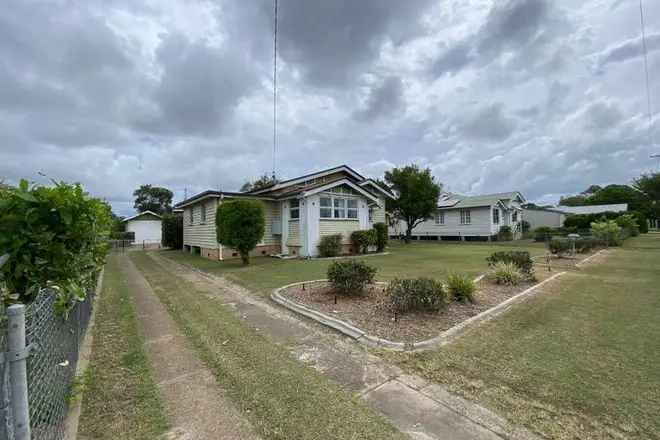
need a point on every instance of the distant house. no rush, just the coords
(544, 217)
(147, 228)
(593, 209)
(299, 212)
(470, 217)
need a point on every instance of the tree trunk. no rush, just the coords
(245, 257)
(408, 234)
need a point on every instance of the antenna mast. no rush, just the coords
(275, 90)
(646, 70)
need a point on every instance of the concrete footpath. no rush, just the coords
(195, 404)
(418, 408)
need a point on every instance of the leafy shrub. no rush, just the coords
(584, 221)
(172, 231)
(628, 222)
(542, 232)
(330, 245)
(381, 236)
(350, 276)
(507, 273)
(642, 221)
(240, 224)
(586, 244)
(420, 294)
(525, 226)
(363, 239)
(521, 259)
(608, 232)
(559, 246)
(55, 236)
(461, 287)
(505, 233)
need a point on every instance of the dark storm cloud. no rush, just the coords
(332, 42)
(200, 86)
(525, 28)
(488, 123)
(385, 99)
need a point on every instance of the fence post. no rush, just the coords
(18, 371)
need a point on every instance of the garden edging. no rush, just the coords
(374, 341)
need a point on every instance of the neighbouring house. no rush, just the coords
(146, 227)
(593, 209)
(469, 217)
(544, 217)
(298, 212)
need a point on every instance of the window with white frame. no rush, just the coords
(326, 207)
(465, 217)
(202, 213)
(440, 218)
(294, 209)
(496, 216)
(514, 216)
(352, 208)
(338, 208)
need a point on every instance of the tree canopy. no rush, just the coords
(261, 182)
(417, 195)
(240, 224)
(153, 198)
(649, 185)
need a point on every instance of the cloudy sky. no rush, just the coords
(541, 96)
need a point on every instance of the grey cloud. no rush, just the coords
(602, 116)
(333, 41)
(488, 123)
(627, 50)
(455, 58)
(200, 87)
(385, 99)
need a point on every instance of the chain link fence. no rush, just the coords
(54, 341)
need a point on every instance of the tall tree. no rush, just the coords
(573, 200)
(649, 185)
(153, 198)
(261, 182)
(417, 195)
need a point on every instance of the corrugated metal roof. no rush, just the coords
(593, 209)
(459, 201)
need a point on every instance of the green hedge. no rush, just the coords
(350, 276)
(330, 245)
(172, 231)
(56, 236)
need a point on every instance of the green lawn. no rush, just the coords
(580, 361)
(120, 398)
(283, 398)
(430, 259)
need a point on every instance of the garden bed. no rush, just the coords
(370, 312)
(562, 262)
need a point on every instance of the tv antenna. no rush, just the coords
(275, 89)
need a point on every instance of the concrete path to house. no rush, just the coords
(418, 408)
(196, 406)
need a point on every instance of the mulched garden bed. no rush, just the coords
(370, 312)
(561, 263)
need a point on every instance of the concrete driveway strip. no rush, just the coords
(196, 405)
(418, 408)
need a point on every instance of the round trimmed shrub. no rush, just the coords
(330, 245)
(418, 294)
(240, 224)
(381, 236)
(350, 276)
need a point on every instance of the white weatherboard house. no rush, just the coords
(298, 213)
(147, 228)
(470, 217)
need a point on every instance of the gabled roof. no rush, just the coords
(308, 192)
(448, 200)
(283, 184)
(212, 194)
(140, 214)
(372, 183)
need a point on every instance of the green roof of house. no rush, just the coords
(452, 201)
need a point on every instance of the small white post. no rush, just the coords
(18, 371)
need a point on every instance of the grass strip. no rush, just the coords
(120, 397)
(283, 398)
(579, 360)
